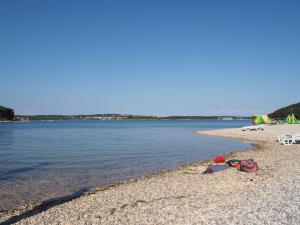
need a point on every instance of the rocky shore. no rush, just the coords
(270, 196)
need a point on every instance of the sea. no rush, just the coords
(42, 160)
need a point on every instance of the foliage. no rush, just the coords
(284, 112)
(6, 113)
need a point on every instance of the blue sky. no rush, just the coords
(149, 57)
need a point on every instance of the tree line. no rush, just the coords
(6, 113)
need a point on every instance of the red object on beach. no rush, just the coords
(219, 159)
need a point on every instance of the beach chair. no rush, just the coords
(296, 138)
(245, 128)
(285, 139)
(280, 137)
(253, 128)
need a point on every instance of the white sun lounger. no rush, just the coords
(285, 139)
(280, 137)
(288, 139)
(253, 128)
(296, 138)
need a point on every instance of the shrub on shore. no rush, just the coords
(6, 113)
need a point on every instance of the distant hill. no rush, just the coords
(284, 112)
(6, 113)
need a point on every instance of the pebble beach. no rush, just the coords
(269, 196)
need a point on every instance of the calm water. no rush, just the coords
(42, 160)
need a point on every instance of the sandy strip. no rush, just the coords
(271, 196)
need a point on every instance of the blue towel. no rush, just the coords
(216, 168)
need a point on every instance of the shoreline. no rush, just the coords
(44, 205)
(261, 146)
(32, 187)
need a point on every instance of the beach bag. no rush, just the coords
(248, 165)
(234, 163)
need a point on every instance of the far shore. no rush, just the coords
(136, 119)
(270, 196)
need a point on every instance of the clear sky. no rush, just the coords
(149, 57)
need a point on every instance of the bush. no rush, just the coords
(6, 113)
(284, 112)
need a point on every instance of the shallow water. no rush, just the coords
(42, 160)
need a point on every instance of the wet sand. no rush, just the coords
(270, 196)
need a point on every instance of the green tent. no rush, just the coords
(291, 119)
